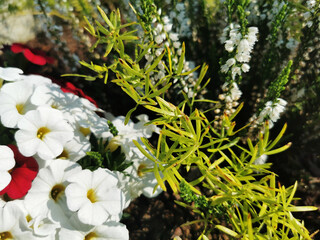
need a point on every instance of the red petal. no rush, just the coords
(22, 161)
(70, 88)
(50, 60)
(22, 174)
(38, 60)
(17, 48)
(18, 187)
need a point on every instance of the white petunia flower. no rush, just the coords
(75, 149)
(13, 224)
(10, 73)
(107, 231)
(53, 96)
(131, 131)
(46, 196)
(36, 80)
(43, 131)
(95, 196)
(7, 162)
(41, 225)
(15, 102)
(137, 180)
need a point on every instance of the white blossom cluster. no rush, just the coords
(184, 22)
(230, 98)
(242, 45)
(164, 36)
(270, 112)
(312, 5)
(66, 201)
(259, 12)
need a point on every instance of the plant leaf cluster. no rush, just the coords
(208, 166)
(101, 156)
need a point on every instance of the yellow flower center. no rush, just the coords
(42, 132)
(6, 236)
(85, 131)
(140, 169)
(113, 144)
(64, 155)
(54, 106)
(90, 236)
(29, 218)
(57, 191)
(91, 195)
(20, 108)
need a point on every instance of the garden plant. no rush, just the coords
(213, 103)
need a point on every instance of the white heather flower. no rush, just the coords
(10, 73)
(176, 44)
(253, 30)
(245, 67)
(224, 68)
(15, 102)
(43, 131)
(7, 162)
(159, 51)
(174, 36)
(261, 160)
(180, 7)
(229, 45)
(311, 3)
(95, 196)
(159, 39)
(165, 19)
(235, 92)
(230, 62)
(235, 70)
(46, 196)
(168, 27)
(244, 46)
(272, 111)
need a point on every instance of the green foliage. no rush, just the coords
(6, 135)
(227, 182)
(277, 24)
(112, 128)
(102, 156)
(146, 16)
(277, 86)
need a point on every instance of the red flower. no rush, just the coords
(70, 88)
(35, 56)
(22, 174)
